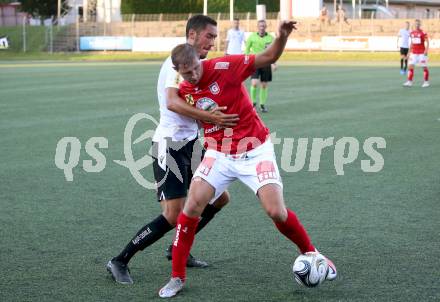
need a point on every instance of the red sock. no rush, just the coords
(185, 232)
(426, 73)
(293, 229)
(410, 74)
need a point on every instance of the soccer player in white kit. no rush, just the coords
(235, 39)
(403, 44)
(173, 144)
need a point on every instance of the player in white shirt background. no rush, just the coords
(173, 143)
(235, 39)
(403, 40)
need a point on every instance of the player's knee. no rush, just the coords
(193, 209)
(171, 217)
(200, 193)
(222, 200)
(194, 206)
(172, 211)
(198, 204)
(277, 214)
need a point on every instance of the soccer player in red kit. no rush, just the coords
(418, 55)
(243, 152)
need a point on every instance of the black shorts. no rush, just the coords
(264, 74)
(173, 167)
(404, 51)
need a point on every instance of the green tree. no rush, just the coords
(43, 8)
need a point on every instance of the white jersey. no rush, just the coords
(172, 124)
(236, 40)
(404, 36)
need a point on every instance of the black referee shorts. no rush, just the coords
(264, 74)
(404, 51)
(173, 167)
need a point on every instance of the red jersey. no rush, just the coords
(418, 38)
(221, 85)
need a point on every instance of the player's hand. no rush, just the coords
(222, 119)
(274, 67)
(286, 27)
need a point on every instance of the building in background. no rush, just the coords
(383, 9)
(380, 9)
(10, 14)
(110, 10)
(94, 11)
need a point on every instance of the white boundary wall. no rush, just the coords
(326, 43)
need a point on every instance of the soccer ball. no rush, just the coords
(310, 269)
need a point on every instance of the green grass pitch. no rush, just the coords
(381, 229)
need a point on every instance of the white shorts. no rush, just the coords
(418, 59)
(254, 168)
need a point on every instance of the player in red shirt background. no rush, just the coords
(418, 54)
(243, 152)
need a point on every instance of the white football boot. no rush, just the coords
(408, 84)
(425, 84)
(171, 289)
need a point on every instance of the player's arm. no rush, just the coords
(398, 37)
(178, 105)
(426, 45)
(274, 51)
(248, 45)
(227, 43)
(226, 47)
(274, 66)
(243, 42)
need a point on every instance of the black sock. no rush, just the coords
(208, 213)
(406, 64)
(146, 236)
(401, 63)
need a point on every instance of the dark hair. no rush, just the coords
(183, 54)
(236, 19)
(198, 23)
(261, 21)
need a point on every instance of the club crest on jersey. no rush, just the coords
(214, 88)
(206, 104)
(189, 99)
(221, 65)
